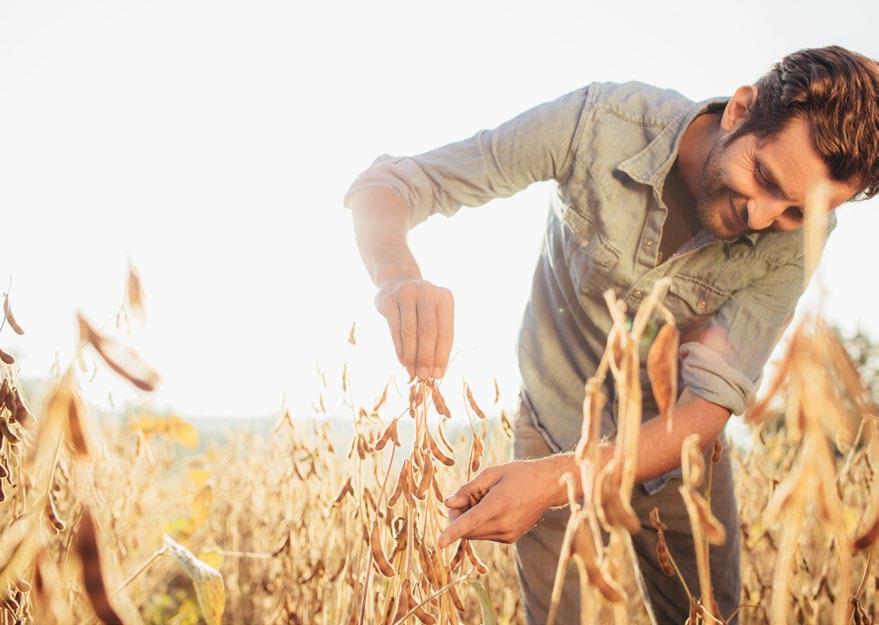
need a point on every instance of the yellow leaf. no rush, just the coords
(182, 527)
(213, 557)
(852, 517)
(209, 587)
(201, 505)
(197, 477)
(183, 432)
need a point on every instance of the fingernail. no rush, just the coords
(422, 373)
(448, 500)
(411, 371)
(437, 373)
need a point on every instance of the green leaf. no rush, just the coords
(489, 616)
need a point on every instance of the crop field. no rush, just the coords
(134, 521)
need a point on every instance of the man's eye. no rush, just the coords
(796, 213)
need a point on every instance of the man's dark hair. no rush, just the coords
(837, 92)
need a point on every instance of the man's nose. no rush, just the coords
(763, 212)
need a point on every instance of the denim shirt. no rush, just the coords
(609, 148)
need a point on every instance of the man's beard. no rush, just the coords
(716, 198)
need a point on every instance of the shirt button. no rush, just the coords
(702, 304)
(637, 294)
(648, 243)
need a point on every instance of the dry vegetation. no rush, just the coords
(107, 521)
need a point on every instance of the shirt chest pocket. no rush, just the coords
(692, 301)
(588, 253)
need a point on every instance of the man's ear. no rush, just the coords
(738, 107)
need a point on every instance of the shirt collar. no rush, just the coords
(651, 165)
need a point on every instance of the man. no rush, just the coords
(648, 185)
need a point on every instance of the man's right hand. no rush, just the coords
(420, 316)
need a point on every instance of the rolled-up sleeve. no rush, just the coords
(724, 365)
(534, 146)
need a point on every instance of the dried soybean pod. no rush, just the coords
(476, 453)
(718, 451)
(474, 559)
(89, 555)
(427, 472)
(347, 489)
(439, 401)
(866, 540)
(120, 358)
(506, 425)
(380, 401)
(583, 549)
(401, 481)
(20, 412)
(134, 292)
(8, 359)
(662, 369)
(4, 472)
(2, 494)
(378, 556)
(655, 521)
(458, 558)
(438, 453)
(390, 434)
(5, 394)
(412, 401)
(436, 489)
(7, 433)
(52, 515)
(663, 555)
(456, 598)
(7, 309)
(616, 510)
(472, 402)
(442, 435)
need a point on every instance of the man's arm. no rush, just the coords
(419, 314)
(504, 502)
(395, 194)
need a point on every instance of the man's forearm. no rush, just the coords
(659, 451)
(381, 221)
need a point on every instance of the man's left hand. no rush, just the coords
(502, 503)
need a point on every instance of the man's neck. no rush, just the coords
(699, 137)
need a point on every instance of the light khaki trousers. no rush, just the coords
(537, 552)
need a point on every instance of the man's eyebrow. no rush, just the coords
(772, 180)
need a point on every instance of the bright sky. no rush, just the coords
(212, 141)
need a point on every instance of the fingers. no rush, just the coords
(427, 325)
(472, 492)
(445, 316)
(393, 317)
(420, 318)
(408, 330)
(476, 519)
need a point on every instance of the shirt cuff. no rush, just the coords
(713, 379)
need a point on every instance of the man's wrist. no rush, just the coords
(554, 467)
(386, 271)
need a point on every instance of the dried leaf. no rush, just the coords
(351, 338)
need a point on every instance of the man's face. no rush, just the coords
(749, 185)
